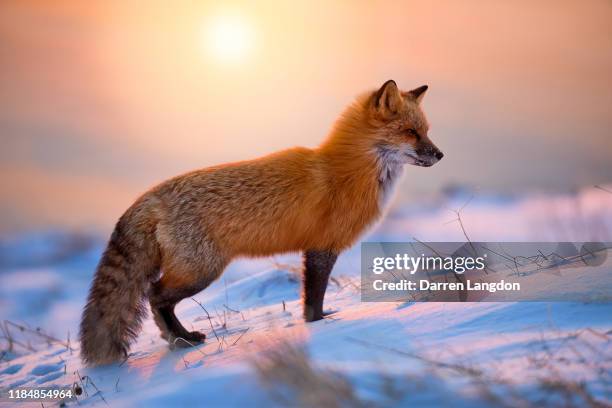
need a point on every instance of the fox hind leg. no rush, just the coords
(318, 265)
(163, 300)
(166, 293)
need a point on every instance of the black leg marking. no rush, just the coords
(163, 300)
(317, 268)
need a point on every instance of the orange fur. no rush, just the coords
(314, 200)
(293, 200)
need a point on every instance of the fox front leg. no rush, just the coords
(318, 265)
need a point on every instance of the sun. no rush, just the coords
(229, 38)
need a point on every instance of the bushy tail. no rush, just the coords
(115, 306)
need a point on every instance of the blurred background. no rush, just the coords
(101, 100)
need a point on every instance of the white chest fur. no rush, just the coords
(391, 172)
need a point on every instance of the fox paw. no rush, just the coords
(196, 337)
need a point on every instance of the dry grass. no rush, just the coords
(287, 372)
(292, 379)
(22, 339)
(553, 384)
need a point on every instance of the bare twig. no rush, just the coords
(602, 188)
(37, 332)
(239, 337)
(89, 381)
(190, 344)
(209, 318)
(230, 309)
(68, 343)
(6, 334)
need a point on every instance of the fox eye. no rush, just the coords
(414, 133)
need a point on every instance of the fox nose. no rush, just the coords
(439, 155)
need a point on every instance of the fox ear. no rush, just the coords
(418, 93)
(388, 99)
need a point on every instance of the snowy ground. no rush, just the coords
(382, 353)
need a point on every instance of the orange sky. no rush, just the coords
(100, 100)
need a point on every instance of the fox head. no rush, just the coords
(399, 126)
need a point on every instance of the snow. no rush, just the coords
(428, 353)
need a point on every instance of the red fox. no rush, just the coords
(178, 237)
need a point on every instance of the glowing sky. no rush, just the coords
(100, 100)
